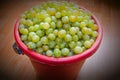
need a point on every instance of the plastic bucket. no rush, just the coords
(50, 68)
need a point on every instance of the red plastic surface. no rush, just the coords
(58, 61)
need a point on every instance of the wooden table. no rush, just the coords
(103, 65)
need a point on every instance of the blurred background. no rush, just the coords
(103, 65)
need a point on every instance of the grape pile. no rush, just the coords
(57, 29)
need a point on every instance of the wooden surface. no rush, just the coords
(103, 65)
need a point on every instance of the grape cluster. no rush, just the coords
(57, 29)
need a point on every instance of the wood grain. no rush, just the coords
(103, 65)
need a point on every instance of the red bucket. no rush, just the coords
(50, 68)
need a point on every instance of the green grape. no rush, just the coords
(41, 15)
(70, 54)
(44, 40)
(52, 44)
(47, 15)
(72, 44)
(78, 50)
(26, 41)
(49, 53)
(89, 31)
(72, 18)
(29, 22)
(65, 51)
(45, 47)
(58, 15)
(65, 19)
(53, 18)
(75, 12)
(23, 16)
(36, 9)
(46, 25)
(75, 38)
(36, 27)
(79, 34)
(93, 21)
(23, 31)
(94, 34)
(87, 44)
(58, 40)
(78, 43)
(87, 17)
(51, 11)
(51, 36)
(59, 24)
(21, 26)
(79, 18)
(31, 34)
(82, 41)
(41, 25)
(94, 27)
(83, 48)
(92, 41)
(61, 7)
(86, 30)
(35, 38)
(82, 24)
(32, 13)
(43, 5)
(40, 33)
(50, 30)
(39, 44)
(61, 33)
(68, 37)
(63, 13)
(90, 23)
(31, 45)
(66, 26)
(22, 21)
(39, 50)
(86, 37)
(63, 44)
(86, 21)
(57, 47)
(23, 37)
(78, 29)
(29, 38)
(28, 15)
(93, 38)
(31, 28)
(47, 19)
(69, 13)
(55, 32)
(35, 20)
(53, 25)
(57, 53)
(76, 24)
(73, 31)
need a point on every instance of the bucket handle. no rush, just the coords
(17, 49)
